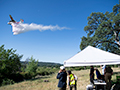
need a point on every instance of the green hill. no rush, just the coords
(42, 64)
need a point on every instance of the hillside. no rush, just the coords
(42, 64)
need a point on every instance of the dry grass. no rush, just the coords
(39, 84)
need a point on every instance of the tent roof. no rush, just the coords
(92, 56)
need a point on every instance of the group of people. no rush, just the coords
(68, 76)
(106, 75)
(98, 74)
(71, 79)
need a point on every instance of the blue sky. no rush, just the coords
(49, 46)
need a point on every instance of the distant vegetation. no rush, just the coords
(44, 64)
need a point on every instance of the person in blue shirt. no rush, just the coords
(62, 76)
(98, 74)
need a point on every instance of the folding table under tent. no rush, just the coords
(92, 56)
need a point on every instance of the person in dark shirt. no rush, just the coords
(62, 76)
(91, 75)
(108, 76)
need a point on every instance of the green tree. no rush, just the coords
(103, 31)
(32, 65)
(9, 62)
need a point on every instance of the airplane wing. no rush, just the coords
(12, 20)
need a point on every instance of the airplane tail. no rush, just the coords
(21, 20)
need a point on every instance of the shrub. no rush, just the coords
(27, 75)
(7, 82)
(46, 70)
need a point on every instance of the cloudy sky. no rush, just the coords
(48, 45)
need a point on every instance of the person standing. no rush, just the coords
(108, 76)
(62, 76)
(91, 75)
(90, 87)
(71, 81)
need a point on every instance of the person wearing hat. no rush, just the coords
(62, 76)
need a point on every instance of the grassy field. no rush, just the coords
(39, 84)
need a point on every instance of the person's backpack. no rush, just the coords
(76, 78)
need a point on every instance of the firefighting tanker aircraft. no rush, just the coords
(20, 27)
(17, 28)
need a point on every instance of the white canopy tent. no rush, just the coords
(92, 56)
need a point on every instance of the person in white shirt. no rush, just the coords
(103, 68)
